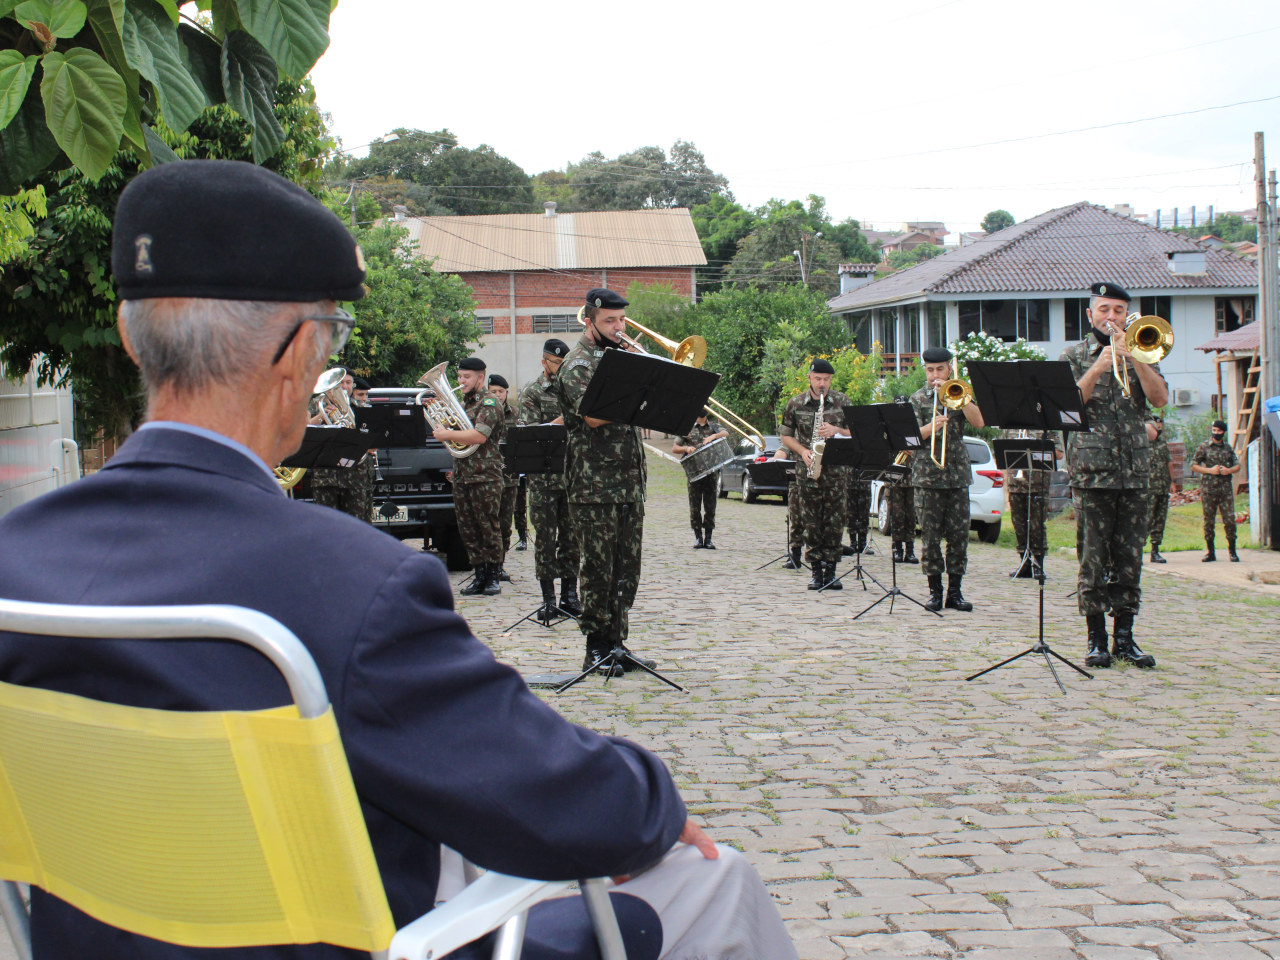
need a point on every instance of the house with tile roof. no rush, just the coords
(530, 272)
(1031, 280)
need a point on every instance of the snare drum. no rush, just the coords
(707, 459)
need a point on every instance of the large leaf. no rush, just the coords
(171, 9)
(151, 47)
(249, 76)
(6, 7)
(161, 152)
(26, 146)
(106, 19)
(203, 57)
(64, 18)
(295, 32)
(84, 103)
(15, 77)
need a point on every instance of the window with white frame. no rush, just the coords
(555, 323)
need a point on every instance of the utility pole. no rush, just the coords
(1269, 352)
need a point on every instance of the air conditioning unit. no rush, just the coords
(1186, 398)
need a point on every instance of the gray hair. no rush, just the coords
(190, 344)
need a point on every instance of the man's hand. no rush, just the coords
(827, 430)
(694, 835)
(807, 455)
(939, 423)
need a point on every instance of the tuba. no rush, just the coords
(444, 410)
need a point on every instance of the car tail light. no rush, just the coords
(761, 459)
(995, 476)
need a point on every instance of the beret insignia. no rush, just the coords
(598, 302)
(142, 264)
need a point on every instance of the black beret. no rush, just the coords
(936, 355)
(361, 383)
(1112, 291)
(228, 230)
(472, 363)
(498, 380)
(1220, 425)
(821, 366)
(557, 348)
(600, 297)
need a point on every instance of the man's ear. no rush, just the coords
(124, 334)
(297, 364)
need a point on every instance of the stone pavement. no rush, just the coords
(896, 810)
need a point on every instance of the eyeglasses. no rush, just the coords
(343, 324)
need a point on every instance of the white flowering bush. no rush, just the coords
(981, 345)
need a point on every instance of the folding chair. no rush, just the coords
(215, 829)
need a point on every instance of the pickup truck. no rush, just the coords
(413, 499)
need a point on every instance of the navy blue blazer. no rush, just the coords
(446, 744)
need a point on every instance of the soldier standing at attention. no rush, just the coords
(555, 549)
(477, 479)
(902, 514)
(1157, 484)
(795, 522)
(1028, 497)
(1215, 461)
(702, 493)
(499, 387)
(943, 492)
(605, 476)
(823, 500)
(1109, 468)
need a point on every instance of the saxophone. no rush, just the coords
(819, 445)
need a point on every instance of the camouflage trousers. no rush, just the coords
(1111, 526)
(522, 508)
(795, 518)
(478, 506)
(1157, 509)
(555, 548)
(902, 513)
(702, 502)
(506, 513)
(944, 515)
(349, 489)
(822, 511)
(859, 508)
(1213, 503)
(598, 527)
(1019, 502)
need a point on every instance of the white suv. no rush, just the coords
(986, 493)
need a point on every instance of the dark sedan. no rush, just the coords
(734, 477)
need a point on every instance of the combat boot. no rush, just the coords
(860, 545)
(549, 610)
(955, 599)
(847, 550)
(522, 543)
(1024, 569)
(706, 541)
(829, 581)
(569, 601)
(1231, 551)
(697, 538)
(1124, 647)
(476, 585)
(628, 666)
(909, 556)
(1209, 557)
(934, 603)
(897, 551)
(793, 559)
(501, 573)
(1155, 554)
(819, 574)
(597, 647)
(492, 586)
(1037, 565)
(1097, 655)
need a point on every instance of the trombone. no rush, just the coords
(1148, 340)
(954, 394)
(690, 352)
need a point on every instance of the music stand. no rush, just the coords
(1030, 395)
(1032, 456)
(533, 450)
(392, 424)
(774, 473)
(845, 452)
(329, 447)
(643, 391)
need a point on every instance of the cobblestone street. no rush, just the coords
(896, 810)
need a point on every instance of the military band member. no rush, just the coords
(499, 387)
(1109, 468)
(348, 489)
(477, 479)
(555, 548)
(859, 514)
(902, 513)
(605, 475)
(1028, 506)
(1216, 462)
(522, 513)
(702, 493)
(822, 501)
(795, 522)
(1157, 484)
(943, 492)
(360, 398)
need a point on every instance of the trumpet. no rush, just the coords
(954, 395)
(1148, 340)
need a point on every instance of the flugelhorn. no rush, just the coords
(1148, 340)
(954, 395)
(443, 410)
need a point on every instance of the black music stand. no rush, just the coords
(845, 452)
(1029, 455)
(329, 447)
(390, 424)
(1031, 395)
(772, 473)
(643, 391)
(533, 450)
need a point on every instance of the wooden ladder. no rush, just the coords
(1246, 415)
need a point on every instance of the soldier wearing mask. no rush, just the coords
(1216, 463)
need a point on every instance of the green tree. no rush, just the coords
(83, 80)
(402, 154)
(1228, 227)
(901, 259)
(721, 224)
(997, 220)
(16, 214)
(645, 178)
(480, 181)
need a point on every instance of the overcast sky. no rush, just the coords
(891, 112)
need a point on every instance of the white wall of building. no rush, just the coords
(37, 452)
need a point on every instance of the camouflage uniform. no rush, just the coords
(902, 508)
(510, 484)
(823, 501)
(477, 482)
(1158, 489)
(1109, 467)
(702, 493)
(859, 508)
(1216, 492)
(349, 489)
(555, 548)
(604, 471)
(522, 508)
(942, 493)
(1028, 491)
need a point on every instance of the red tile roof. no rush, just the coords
(1240, 340)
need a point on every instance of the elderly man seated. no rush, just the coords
(230, 279)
